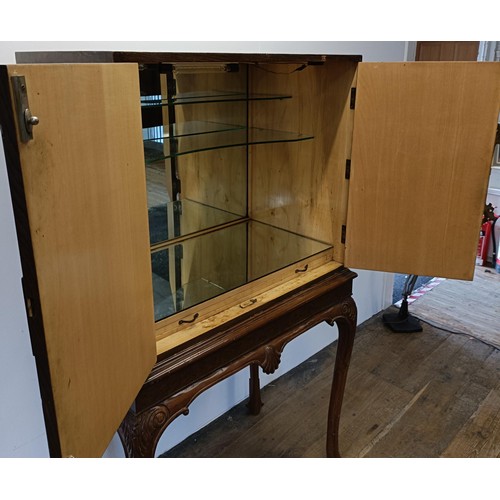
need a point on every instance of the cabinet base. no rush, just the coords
(256, 341)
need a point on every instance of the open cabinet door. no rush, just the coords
(88, 287)
(422, 149)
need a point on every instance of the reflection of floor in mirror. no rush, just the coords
(158, 223)
(163, 300)
(156, 185)
(188, 295)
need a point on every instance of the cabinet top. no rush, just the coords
(172, 57)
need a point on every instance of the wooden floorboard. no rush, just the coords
(465, 306)
(427, 394)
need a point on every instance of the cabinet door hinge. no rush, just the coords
(29, 308)
(342, 237)
(348, 169)
(27, 299)
(353, 98)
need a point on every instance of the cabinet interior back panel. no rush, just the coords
(422, 149)
(301, 186)
(214, 178)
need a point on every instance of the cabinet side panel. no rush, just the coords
(302, 186)
(86, 199)
(422, 149)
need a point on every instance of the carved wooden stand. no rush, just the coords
(257, 340)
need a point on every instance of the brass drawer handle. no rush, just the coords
(302, 270)
(182, 321)
(248, 303)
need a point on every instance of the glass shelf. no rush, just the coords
(158, 134)
(207, 97)
(183, 217)
(205, 266)
(159, 149)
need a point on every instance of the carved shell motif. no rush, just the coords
(271, 361)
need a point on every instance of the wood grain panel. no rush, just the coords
(447, 51)
(215, 178)
(270, 250)
(85, 188)
(301, 186)
(422, 149)
(213, 263)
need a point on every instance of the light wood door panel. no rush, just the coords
(301, 187)
(447, 51)
(85, 190)
(422, 148)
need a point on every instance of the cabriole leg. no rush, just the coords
(346, 323)
(255, 402)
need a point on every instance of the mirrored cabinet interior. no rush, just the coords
(236, 162)
(181, 217)
(197, 139)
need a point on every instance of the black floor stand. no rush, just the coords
(403, 321)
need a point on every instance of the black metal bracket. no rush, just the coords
(348, 169)
(343, 234)
(352, 104)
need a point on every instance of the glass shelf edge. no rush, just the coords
(246, 142)
(236, 97)
(217, 127)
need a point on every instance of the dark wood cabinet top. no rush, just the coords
(172, 57)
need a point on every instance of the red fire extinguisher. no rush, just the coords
(482, 246)
(487, 233)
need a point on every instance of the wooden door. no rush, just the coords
(422, 148)
(85, 197)
(447, 51)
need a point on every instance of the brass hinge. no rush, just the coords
(353, 98)
(348, 169)
(344, 231)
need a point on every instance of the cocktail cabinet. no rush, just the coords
(183, 216)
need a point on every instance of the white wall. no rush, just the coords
(22, 431)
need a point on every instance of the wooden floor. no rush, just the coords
(480, 298)
(428, 394)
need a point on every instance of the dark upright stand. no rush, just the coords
(402, 321)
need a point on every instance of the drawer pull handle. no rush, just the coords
(182, 321)
(248, 303)
(302, 270)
